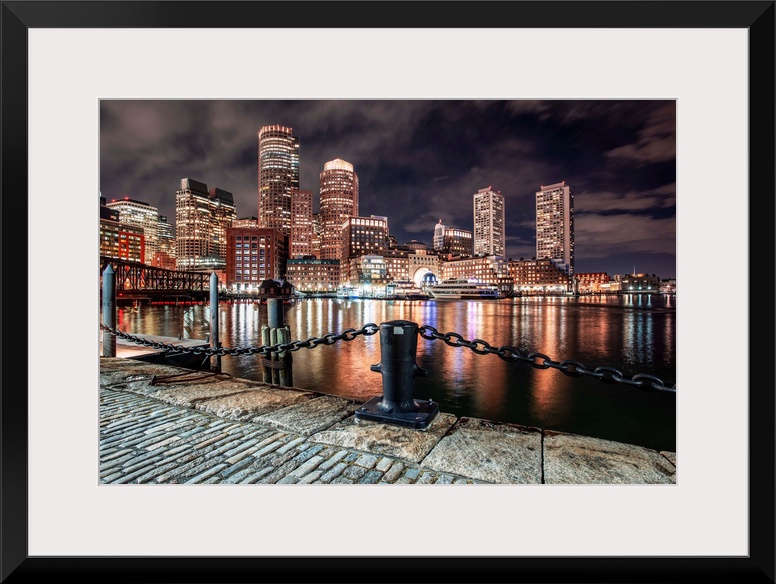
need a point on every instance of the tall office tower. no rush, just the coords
(555, 225)
(143, 215)
(317, 235)
(339, 202)
(202, 218)
(301, 240)
(439, 236)
(489, 234)
(278, 176)
(165, 254)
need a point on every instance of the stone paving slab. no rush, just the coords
(572, 459)
(488, 451)
(309, 416)
(116, 371)
(384, 439)
(249, 405)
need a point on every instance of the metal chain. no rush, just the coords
(265, 350)
(479, 346)
(542, 361)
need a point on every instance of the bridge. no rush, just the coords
(140, 282)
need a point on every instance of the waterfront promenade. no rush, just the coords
(171, 425)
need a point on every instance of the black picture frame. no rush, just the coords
(19, 16)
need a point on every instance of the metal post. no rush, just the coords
(214, 343)
(266, 339)
(275, 313)
(398, 346)
(108, 311)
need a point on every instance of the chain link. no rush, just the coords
(542, 361)
(264, 350)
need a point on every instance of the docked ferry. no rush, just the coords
(463, 289)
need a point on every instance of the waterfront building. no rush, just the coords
(254, 255)
(246, 222)
(638, 283)
(397, 264)
(278, 176)
(313, 275)
(339, 202)
(489, 223)
(369, 273)
(143, 215)
(590, 282)
(424, 265)
(490, 269)
(453, 241)
(538, 276)
(122, 241)
(202, 217)
(165, 253)
(301, 236)
(555, 225)
(364, 236)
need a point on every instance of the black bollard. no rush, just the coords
(398, 345)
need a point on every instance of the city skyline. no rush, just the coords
(420, 161)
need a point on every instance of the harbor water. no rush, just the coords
(631, 333)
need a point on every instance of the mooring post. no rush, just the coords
(398, 346)
(214, 342)
(277, 367)
(108, 311)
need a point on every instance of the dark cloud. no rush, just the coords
(419, 161)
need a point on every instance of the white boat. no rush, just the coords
(348, 292)
(463, 289)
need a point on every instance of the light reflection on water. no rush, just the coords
(635, 334)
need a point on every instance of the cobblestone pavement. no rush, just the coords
(143, 440)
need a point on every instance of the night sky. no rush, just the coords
(419, 161)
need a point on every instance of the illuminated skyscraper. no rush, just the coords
(278, 176)
(339, 202)
(201, 220)
(301, 240)
(489, 234)
(439, 236)
(555, 225)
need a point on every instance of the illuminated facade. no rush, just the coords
(202, 217)
(364, 236)
(591, 282)
(315, 245)
(339, 202)
(143, 215)
(121, 241)
(555, 225)
(251, 222)
(165, 253)
(439, 236)
(278, 176)
(254, 254)
(489, 234)
(301, 239)
(538, 276)
(489, 269)
(314, 276)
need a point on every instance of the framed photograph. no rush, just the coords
(712, 61)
